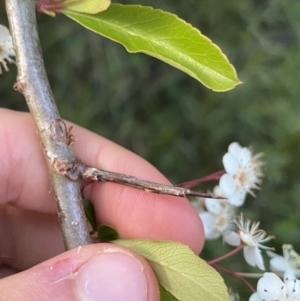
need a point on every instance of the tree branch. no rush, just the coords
(103, 176)
(32, 81)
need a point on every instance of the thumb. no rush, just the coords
(90, 273)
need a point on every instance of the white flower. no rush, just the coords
(286, 266)
(271, 288)
(6, 48)
(243, 174)
(218, 218)
(253, 238)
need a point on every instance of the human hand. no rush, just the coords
(30, 233)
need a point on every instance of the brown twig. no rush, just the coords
(76, 169)
(32, 81)
(100, 175)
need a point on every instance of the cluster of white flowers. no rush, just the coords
(243, 174)
(270, 287)
(219, 217)
(6, 48)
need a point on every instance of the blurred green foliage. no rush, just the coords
(175, 123)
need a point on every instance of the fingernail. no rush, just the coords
(111, 276)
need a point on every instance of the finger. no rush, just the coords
(27, 237)
(95, 272)
(134, 213)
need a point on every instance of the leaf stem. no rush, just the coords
(33, 83)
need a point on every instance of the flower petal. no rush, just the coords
(214, 206)
(270, 288)
(290, 274)
(249, 255)
(293, 289)
(245, 157)
(227, 185)
(272, 254)
(4, 34)
(234, 148)
(259, 259)
(230, 163)
(278, 264)
(237, 198)
(209, 224)
(254, 297)
(232, 238)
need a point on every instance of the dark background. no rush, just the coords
(172, 120)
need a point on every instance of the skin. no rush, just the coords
(30, 235)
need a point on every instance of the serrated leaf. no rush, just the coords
(166, 37)
(86, 6)
(186, 276)
(107, 233)
(90, 213)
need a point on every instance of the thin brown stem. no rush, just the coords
(33, 83)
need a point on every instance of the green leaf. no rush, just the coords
(165, 295)
(107, 233)
(86, 6)
(90, 213)
(166, 37)
(183, 274)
